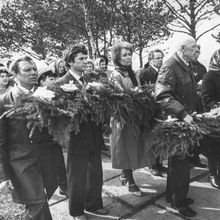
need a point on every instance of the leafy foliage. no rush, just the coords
(98, 103)
(175, 138)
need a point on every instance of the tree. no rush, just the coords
(189, 15)
(141, 22)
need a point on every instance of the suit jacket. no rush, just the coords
(175, 88)
(90, 138)
(28, 162)
(148, 75)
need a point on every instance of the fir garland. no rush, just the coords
(177, 138)
(96, 102)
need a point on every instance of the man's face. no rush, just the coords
(196, 53)
(157, 61)
(189, 49)
(79, 63)
(27, 75)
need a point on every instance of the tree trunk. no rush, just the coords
(89, 30)
(140, 56)
(192, 18)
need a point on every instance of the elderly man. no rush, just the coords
(175, 91)
(84, 165)
(26, 162)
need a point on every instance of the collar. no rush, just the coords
(24, 90)
(76, 76)
(187, 63)
(157, 70)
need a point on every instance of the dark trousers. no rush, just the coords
(178, 179)
(61, 168)
(210, 148)
(37, 212)
(85, 178)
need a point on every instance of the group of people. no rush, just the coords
(34, 166)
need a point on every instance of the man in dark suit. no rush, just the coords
(198, 71)
(84, 165)
(175, 92)
(26, 162)
(149, 75)
(150, 72)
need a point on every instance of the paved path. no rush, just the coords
(152, 206)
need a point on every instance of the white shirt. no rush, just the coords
(187, 63)
(76, 76)
(155, 68)
(26, 91)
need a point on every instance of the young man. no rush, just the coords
(27, 162)
(84, 165)
(175, 92)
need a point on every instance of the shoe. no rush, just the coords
(185, 211)
(123, 180)
(198, 164)
(184, 202)
(135, 191)
(80, 217)
(162, 168)
(102, 211)
(188, 201)
(215, 182)
(155, 172)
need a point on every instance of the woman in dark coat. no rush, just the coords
(127, 149)
(210, 100)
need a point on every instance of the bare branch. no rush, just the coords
(180, 31)
(181, 6)
(202, 5)
(176, 13)
(210, 29)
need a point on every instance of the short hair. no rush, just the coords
(116, 51)
(151, 54)
(4, 70)
(184, 42)
(14, 67)
(91, 62)
(71, 53)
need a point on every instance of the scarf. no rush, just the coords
(214, 64)
(127, 70)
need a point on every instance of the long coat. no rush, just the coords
(28, 162)
(211, 89)
(127, 149)
(175, 88)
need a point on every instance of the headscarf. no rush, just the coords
(214, 64)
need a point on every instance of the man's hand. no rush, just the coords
(188, 119)
(6, 187)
